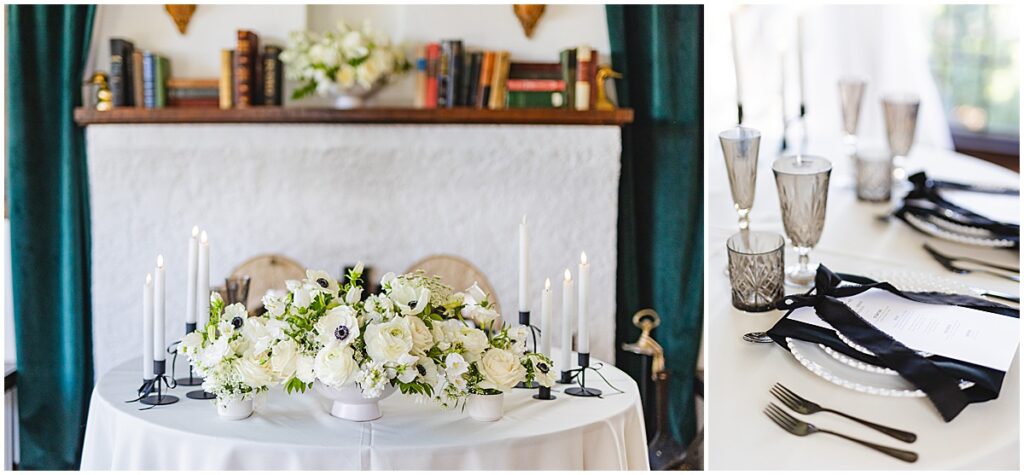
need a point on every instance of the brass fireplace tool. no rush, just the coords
(665, 452)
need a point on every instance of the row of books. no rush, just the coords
(249, 77)
(137, 78)
(447, 77)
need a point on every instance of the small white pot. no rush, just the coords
(353, 97)
(234, 409)
(349, 403)
(486, 407)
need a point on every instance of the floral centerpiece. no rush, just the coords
(347, 63)
(232, 353)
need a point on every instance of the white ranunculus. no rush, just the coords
(454, 366)
(304, 368)
(322, 282)
(253, 374)
(474, 341)
(346, 76)
(284, 358)
(275, 305)
(367, 73)
(388, 341)
(446, 333)
(214, 353)
(422, 339)
(501, 370)
(409, 299)
(338, 324)
(335, 365)
(543, 373)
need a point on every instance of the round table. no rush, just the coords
(297, 433)
(984, 436)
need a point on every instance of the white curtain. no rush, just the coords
(888, 45)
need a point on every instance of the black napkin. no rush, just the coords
(937, 376)
(924, 200)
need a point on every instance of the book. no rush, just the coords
(163, 71)
(433, 57)
(486, 75)
(420, 99)
(498, 80)
(273, 77)
(541, 85)
(192, 93)
(121, 72)
(443, 74)
(521, 70)
(456, 67)
(137, 99)
(226, 82)
(568, 63)
(583, 60)
(148, 80)
(193, 83)
(534, 99)
(473, 78)
(592, 78)
(245, 69)
(208, 103)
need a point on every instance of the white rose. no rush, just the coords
(474, 341)
(346, 76)
(501, 370)
(388, 341)
(338, 324)
(304, 369)
(335, 365)
(284, 358)
(422, 339)
(253, 374)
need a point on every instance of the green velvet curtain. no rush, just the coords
(658, 49)
(47, 47)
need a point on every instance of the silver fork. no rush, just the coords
(803, 406)
(800, 428)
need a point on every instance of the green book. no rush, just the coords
(533, 99)
(568, 59)
(163, 71)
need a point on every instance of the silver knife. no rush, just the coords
(997, 295)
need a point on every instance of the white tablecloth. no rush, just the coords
(985, 435)
(296, 433)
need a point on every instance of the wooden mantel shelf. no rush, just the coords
(304, 115)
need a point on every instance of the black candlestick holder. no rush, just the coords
(544, 394)
(566, 378)
(583, 390)
(156, 385)
(524, 319)
(192, 379)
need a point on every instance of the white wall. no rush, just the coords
(479, 26)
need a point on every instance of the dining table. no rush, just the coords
(857, 239)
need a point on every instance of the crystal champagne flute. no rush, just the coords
(900, 125)
(802, 182)
(739, 147)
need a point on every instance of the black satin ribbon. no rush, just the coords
(931, 375)
(925, 200)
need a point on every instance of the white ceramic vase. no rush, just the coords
(348, 402)
(486, 407)
(234, 409)
(353, 97)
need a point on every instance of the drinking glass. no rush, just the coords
(874, 175)
(237, 289)
(756, 270)
(900, 125)
(802, 182)
(851, 91)
(739, 147)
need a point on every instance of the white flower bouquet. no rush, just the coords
(340, 61)
(232, 352)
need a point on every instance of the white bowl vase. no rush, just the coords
(486, 407)
(349, 403)
(353, 97)
(234, 409)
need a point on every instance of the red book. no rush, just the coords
(592, 77)
(433, 60)
(536, 85)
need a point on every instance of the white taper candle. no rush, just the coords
(193, 271)
(734, 29)
(524, 267)
(800, 57)
(583, 337)
(203, 283)
(159, 310)
(147, 328)
(565, 357)
(545, 319)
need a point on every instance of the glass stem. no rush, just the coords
(744, 218)
(804, 259)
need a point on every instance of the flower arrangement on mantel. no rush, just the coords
(416, 335)
(345, 62)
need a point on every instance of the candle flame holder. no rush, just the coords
(192, 379)
(581, 375)
(544, 394)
